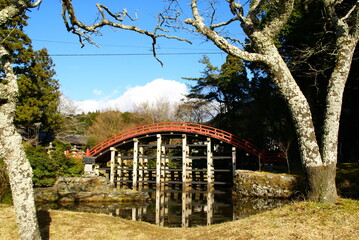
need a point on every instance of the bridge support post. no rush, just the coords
(158, 160)
(161, 210)
(97, 171)
(210, 172)
(184, 160)
(186, 207)
(135, 163)
(146, 173)
(234, 161)
(164, 163)
(140, 167)
(210, 203)
(119, 169)
(112, 165)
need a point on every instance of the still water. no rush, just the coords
(176, 208)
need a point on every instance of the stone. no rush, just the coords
(86, 189)
(267, 185)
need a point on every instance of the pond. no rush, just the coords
(177, 208)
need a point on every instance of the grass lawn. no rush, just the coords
(300, 220)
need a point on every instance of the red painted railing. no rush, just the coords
(177, 127)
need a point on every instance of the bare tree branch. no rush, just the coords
(281, 16)
(237, 10)
(220, 41)
(84, 31)
(213, 26)
(16, 7)
(350, 12)
(251, 19)
(35, 4)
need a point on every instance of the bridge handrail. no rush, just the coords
(179, 127)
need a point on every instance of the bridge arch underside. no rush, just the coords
(186, 159)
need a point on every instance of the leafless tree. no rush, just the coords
(161, 110)
(195, 110)
(319, 161)
(111, 122)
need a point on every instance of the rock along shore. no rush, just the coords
(86, 189)
(267, 185)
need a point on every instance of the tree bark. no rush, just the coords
(321, 183)
(11, 150)
(346, 47)
(320, 174)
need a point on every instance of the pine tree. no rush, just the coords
(39, 94)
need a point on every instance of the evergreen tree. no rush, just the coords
(227, 86)
(39, 94)
(15, 41)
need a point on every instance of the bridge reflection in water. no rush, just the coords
(177, 208)
(197, 208)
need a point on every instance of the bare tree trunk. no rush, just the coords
(18, 166)
(321, 183)
(320, 175)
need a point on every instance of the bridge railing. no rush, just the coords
(176, 127)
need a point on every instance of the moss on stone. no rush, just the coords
(264, 184)
(86, 189)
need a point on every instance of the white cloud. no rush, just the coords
(158, 89)
(97, 92)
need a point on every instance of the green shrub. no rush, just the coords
(43, 167)
(47, 168)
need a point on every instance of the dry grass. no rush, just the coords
(303, 220)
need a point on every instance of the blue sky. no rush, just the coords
(103, 79)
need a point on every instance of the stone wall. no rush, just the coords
(268, 185)
(86, 189)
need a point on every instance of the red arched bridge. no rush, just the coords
(173, 153)
(181, 127)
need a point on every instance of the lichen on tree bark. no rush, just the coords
(11, 150)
